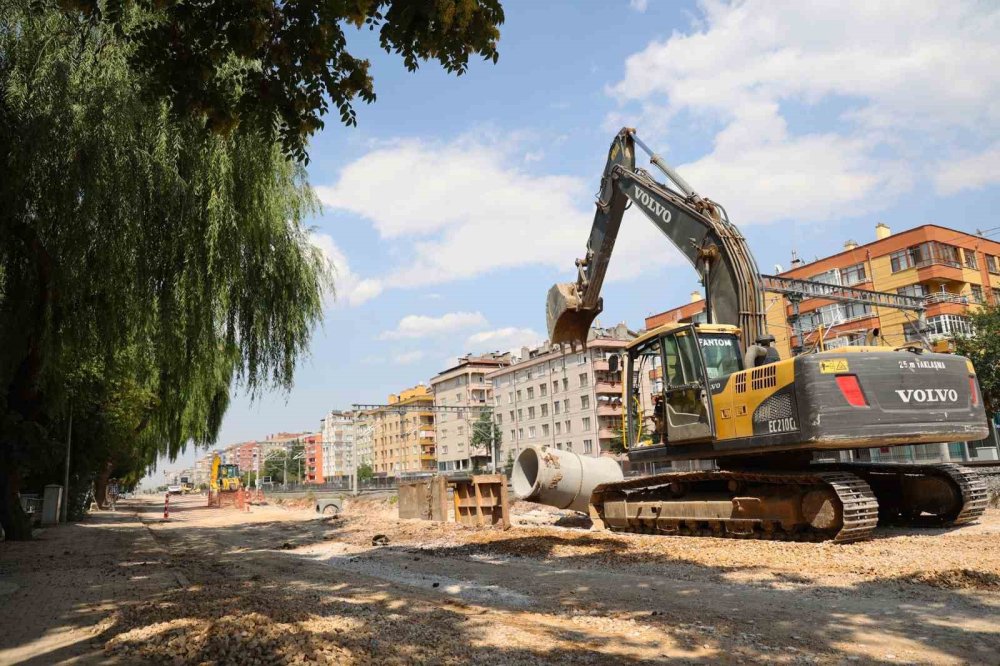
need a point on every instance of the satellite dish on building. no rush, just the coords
(778, 269)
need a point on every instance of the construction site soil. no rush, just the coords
(281, 585)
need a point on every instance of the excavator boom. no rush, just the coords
(695, 225)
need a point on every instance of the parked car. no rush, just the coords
(175, 490)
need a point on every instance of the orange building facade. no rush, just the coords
(955, 272)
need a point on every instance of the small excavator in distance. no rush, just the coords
(719, 391)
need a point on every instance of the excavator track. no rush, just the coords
(936, 495)
(761, 505)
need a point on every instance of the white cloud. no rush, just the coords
(534, 156)
(469, 207)
(897, 80)
(350, 288)
(503, 339)
(406, 358)
(970, 172)
(422, 326)
(639, 5)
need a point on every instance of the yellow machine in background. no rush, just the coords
(225, 478)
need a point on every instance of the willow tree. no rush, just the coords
(146, 264)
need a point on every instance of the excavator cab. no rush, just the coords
(671, 372)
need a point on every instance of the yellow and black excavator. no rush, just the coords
(719, 391)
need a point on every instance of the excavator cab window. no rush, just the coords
(721, 352)
(686, 398)
(645, 391)
(667, 386)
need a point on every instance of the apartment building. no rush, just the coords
(403, 439)
(312, 458)
(952, 270)
(557, 397)
(463, 386)
(338, 443)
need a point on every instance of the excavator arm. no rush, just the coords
(697, 226)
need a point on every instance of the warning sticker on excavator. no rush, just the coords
(834, 366)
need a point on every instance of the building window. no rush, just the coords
(900, 260)
(531, 432)
(513, 435)
(511, 412)
(582, 358)
(583, 379)
(970, 259)
(558, 428)
(559, 445)
(569, 446)
(545, 409)
(458, 397)
(519, 395)
(520, 433)
(853, 275)
(566, 405)
(993, 264)
(829, 277)
(949, 325)
(915, 290)
(510, 398)
(586, 424)
(499, 419)
(531, 412)
(584, 402)
(565, 383)
(977, 293)
(567, 427)
(555, 387)
(545, 430)
(531, 392)
(520, 414)
(556, 406)
(543, 390)
(996, 296)
(588, 446)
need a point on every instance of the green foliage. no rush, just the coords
(277, 66)
(284, 461)
(365, 472)
(485, 433)
(146, 265)
(984, 352)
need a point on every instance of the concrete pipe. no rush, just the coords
(561, 479)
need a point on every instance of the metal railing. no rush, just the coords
(946, 297)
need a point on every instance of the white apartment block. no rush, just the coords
(338, 443)
(463, 386)
(556, 397)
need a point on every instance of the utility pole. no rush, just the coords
(64, 509)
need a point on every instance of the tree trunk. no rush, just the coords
(16, 524)
(101, 486)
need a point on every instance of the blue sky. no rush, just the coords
(457, 202)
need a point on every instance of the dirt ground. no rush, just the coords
(280, 585)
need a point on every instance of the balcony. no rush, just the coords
(608, 433)
(601, 366)
(609, 410)
(946, 297)
(608, 388)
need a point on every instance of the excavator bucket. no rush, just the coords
(568, 320)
